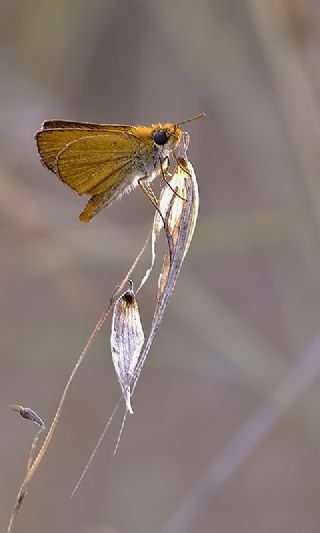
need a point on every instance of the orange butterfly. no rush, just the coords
(107, 160)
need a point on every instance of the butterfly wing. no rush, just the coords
(95, 159)
(96, 164)
(52, 138)
(94, 205)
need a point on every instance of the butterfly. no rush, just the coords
(105, 161)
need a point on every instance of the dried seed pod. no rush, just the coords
(126, 340)
(28, 414)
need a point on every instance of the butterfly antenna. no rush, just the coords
(196, 117)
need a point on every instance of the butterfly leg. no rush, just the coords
(163, 174)
(143, 183)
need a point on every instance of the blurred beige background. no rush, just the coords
(226, 431)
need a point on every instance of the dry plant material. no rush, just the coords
(28, 414)
(126, 340)
(33, 465)
(176, 213)
(179, 205)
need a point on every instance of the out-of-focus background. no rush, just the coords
(226, 431)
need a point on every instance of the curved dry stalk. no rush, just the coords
(179, 205)
(33, 466)
(97, 446)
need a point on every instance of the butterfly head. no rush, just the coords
(166, 136)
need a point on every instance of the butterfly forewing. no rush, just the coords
(50, 142)
(94, 164)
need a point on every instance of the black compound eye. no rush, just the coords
(160, 137)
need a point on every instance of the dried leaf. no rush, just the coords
(126, 340)
(180, 212)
